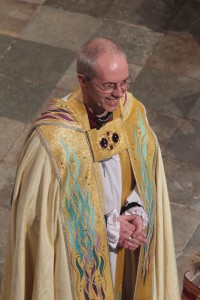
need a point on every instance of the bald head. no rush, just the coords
(92, 50)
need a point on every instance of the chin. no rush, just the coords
(113, 108)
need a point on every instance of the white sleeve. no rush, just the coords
(139, 211)
(113, 228)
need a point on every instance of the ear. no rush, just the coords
(81, 79)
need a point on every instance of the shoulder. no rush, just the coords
(32, 146)
(134, 102)
(34, 156)
(57, 112)
(133, 109)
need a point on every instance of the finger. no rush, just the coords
(132, 248)
(126, 231)
(135, 242)
(141, 238)
(142, 235)
(133, 245)
(125, 245)
(138, 230)
(129, 246)
(140, 242)
(129, 238)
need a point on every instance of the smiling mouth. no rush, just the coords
(112, 100)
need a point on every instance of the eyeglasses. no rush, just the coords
(109, 87)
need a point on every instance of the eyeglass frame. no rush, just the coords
(128, 81)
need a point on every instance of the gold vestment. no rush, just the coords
(57, 247)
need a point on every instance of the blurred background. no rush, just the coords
(38, 44)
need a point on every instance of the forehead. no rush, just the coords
(111, 68)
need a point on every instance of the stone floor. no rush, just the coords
(38, 44)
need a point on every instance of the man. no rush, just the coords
(90, 211)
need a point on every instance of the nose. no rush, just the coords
(118, 92)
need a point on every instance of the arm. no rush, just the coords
(35, 234)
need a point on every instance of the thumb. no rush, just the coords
(139, 227)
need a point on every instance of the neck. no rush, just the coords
(97, 114)
(97, 111)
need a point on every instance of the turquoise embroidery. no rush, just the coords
(81, 223)
(81, 214)
(148, 186)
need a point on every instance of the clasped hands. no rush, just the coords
(132, 235)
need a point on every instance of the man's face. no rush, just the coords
(109, 69)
